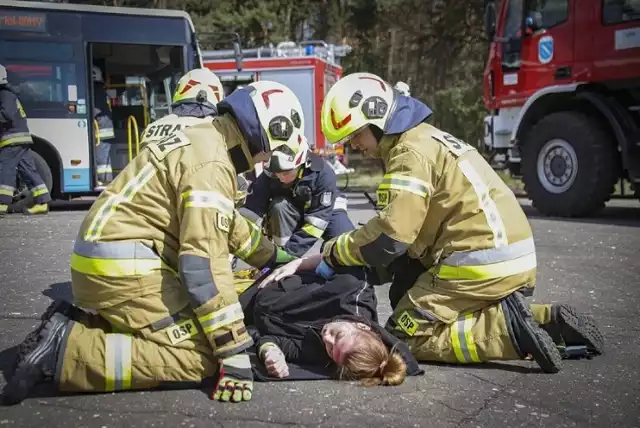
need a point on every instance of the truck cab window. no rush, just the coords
(618, 11)
(546, 14)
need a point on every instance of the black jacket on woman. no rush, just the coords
(292, 312)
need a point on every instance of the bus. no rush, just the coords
(49, 51)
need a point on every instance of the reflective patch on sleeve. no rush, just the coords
(382, 198)
(406, 184)
(223, 222)
(182, 331)
(325, 200)
(407, 323)
(207, 199)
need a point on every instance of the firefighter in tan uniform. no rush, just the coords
(151, 260)
(194, 101)
(450, 234)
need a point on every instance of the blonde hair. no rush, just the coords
(371, 361)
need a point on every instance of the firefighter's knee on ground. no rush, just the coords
(282, 220)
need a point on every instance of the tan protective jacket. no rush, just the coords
(171, 213)
(163, 127)
(444, 205)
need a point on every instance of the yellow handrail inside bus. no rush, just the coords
(96, 131)
(132, 125)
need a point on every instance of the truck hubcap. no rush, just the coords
(557, 166)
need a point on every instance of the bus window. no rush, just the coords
(46, 77)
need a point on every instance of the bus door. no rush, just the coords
(130, 110)
(139, 79)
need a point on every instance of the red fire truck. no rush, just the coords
(562, 84)
(308, 68)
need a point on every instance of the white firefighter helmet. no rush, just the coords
(201, 86)
(280, 114)
(284, 158)
(403, 88)
(354, 102)
(96, 74)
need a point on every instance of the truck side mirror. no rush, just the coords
(533, 22)
(490, 20)
(238, 54)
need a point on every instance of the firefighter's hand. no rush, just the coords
(235, 382)
(303, 264)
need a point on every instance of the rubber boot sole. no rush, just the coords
(540, 344)
(29, 372)
(579, 329)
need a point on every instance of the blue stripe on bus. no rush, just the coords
(77, 180)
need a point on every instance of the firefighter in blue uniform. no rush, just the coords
(105, 133)
(15, 155)
(297, 194)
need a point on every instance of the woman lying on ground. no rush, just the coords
(306, 327)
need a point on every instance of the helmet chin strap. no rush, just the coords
(377, 133)
(240, 156)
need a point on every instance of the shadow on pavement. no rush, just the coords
(60, 291)
(74, 205)
(612, 215)
(502, 366)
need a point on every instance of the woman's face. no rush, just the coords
(338, 337)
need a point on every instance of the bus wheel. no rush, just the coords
(22, 197)
(569, 165)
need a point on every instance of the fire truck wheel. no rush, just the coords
(22, 197)
(569, 165)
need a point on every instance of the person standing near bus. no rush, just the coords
(104, 133)
(15, 154)
(194, 101)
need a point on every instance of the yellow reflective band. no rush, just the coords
(39, 190)
(462, 340)
(406, 183)
(313, 231)
(207, 199)
(115, 267)
(251, 244)
(16, 140)
(117, 362)
(490, 271)
(6, 190)
(344, 254)
(221, 318)
(125, 195)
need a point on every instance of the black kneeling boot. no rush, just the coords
(576, 335)
(39, 364)
(527, 336)
(33, 338)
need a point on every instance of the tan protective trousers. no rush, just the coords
(115, 351)
(445, 324)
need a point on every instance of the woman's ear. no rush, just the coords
(362, 326)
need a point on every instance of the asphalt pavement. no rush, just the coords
(593, 264)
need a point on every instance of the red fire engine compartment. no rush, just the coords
(308, 70)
